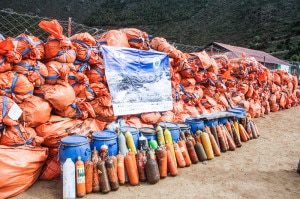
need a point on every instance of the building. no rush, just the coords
(264, 58)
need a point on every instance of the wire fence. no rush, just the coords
(13, 24)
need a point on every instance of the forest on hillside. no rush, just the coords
(269, 25)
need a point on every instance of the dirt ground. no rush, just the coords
(261, 168)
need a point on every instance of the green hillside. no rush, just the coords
(269, 25)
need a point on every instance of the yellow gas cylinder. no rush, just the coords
(130, 141)
(207, 145)
(168, 136)
(160, 135)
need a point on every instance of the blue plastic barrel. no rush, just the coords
(134, 132)
(196, 124)
(223, 120)
(72, 147)
(173, 128)
(212, 122)
(183, 127)
(148, 132)
(108, 138)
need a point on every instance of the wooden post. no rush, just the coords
(69, 26)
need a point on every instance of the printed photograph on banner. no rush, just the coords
(139, 81)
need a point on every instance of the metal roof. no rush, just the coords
(260, 56)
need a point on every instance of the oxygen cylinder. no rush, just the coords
(121, 169)
(88, 167)
(214, 133)
(171, 163)
(132, 154)
(105, 186)
(112, 174)
(221, 139)
(179, 157)
(243, 134)
(236, 127)
(185, 154)
(168, 136)
(214, 145)
(143, 142)
(122, 144)
(69, 183)
(130, 141)
(231, 143)
(103, 152)
(160, 135)
(153, 144)
(151, 168)
(80, 178)
(140, 159)
(235, 136)
(200, 152)
(191, 151)
(207, 145)
(96, 182)
(171, 148)
(131, 170)
(253, 130)
(161, 155)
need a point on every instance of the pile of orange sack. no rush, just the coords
(55, 88)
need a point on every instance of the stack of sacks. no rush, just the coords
(60, 86)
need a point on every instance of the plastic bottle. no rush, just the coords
(69, 183)
(80, 178)
(130, 142)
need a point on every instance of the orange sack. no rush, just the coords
(6, 104)
(20, 168)
(36, 111)
(19, 135)
(34, 70)
(60, 95)
(57, 47)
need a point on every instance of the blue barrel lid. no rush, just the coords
(184, 126)
(74, 139)
(168, 124)
(132, 129)
(147, 130)
(105, 134)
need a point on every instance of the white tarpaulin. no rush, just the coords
(138, 80)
